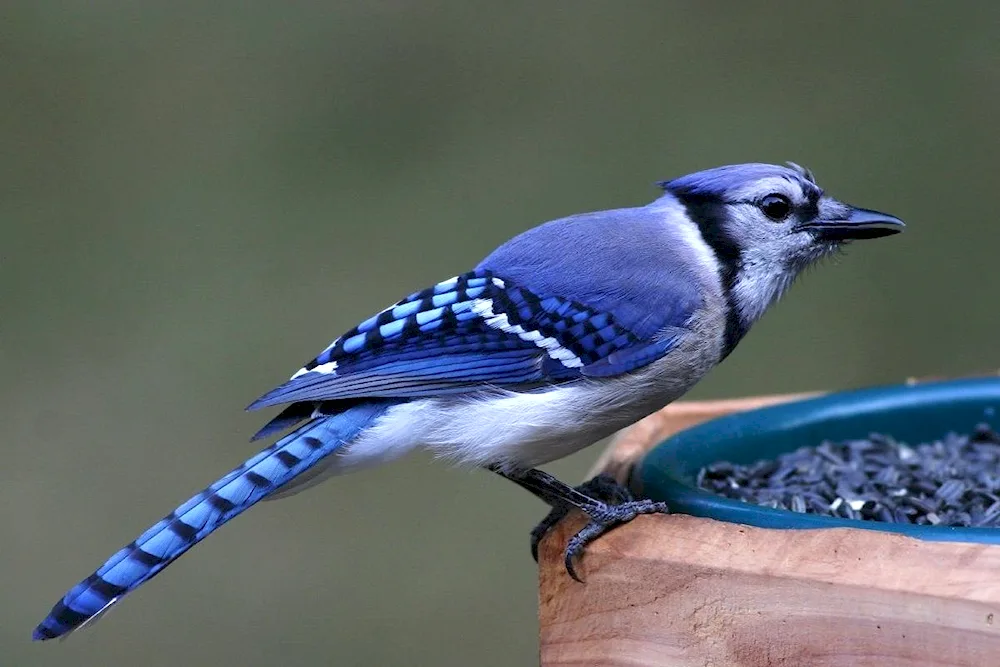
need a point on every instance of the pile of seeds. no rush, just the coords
(954, 481)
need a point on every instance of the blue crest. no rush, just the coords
(720, 180)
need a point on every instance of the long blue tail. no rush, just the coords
(194, 520)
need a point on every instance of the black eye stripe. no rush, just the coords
(809, 210)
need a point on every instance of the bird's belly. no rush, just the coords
(573, 421)
(529, 429)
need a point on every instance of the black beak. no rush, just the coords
(859, 224)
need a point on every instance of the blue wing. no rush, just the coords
(472, 331)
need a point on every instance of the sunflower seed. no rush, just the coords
(953, 481)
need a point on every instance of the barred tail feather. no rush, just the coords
(202, 514)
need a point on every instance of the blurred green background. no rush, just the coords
(196, 197)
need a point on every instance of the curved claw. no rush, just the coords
(570, 568)
(605, 502)
(608, 517)
(578, 543)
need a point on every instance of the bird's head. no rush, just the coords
(766, 223)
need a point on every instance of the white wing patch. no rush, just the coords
(484, 308)
(329, 368)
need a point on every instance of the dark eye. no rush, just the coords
(776, 207)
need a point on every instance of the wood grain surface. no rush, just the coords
(681, 591)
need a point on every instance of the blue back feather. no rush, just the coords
(631, 264)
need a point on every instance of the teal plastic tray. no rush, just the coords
(910, 413)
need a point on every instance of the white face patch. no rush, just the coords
(484, 308)
(756, 288)
(772, 254)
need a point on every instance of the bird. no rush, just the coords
(560, 337)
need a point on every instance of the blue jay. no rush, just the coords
(562, 336)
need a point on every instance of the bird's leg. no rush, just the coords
(605, 502)
(602, 488)
(559, 506)
(558, 511)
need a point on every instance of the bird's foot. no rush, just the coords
(602, 520)
(603, 488)
(612, 504)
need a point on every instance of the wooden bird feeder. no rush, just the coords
(682, 591)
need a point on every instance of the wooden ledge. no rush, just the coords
(681, 591)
